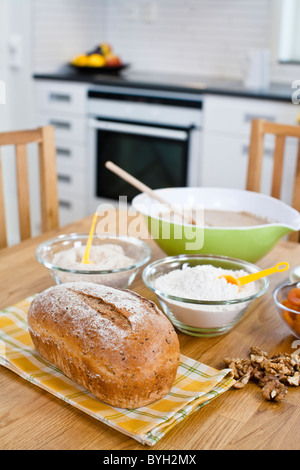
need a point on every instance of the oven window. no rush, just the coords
(156, 161)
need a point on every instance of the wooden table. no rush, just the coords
(31, 418)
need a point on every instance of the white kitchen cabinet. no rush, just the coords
(226, 138)
(61, 97)
(233, 115)
(71, 207)
(67, 128)
(64, 105)
(226, 126)
(70, 155)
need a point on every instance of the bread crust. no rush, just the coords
(115, 343)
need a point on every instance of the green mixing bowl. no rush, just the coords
(249, 243)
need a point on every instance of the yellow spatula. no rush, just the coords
(86, 256)
(240, 281)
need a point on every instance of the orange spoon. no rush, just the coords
(240, 281)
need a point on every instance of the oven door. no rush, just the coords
(157, 156)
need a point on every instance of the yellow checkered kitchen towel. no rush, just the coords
(196, 384)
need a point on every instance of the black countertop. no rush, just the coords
(171, 82)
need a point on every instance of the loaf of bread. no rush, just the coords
(115, 343)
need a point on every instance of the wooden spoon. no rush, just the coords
(241, 281)
(145, 189)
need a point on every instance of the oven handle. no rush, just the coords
(136, 129)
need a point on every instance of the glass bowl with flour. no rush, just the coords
(195, 297)
(114, 260)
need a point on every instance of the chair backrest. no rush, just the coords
(44, 138)
(259, 129)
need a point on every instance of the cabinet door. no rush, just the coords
(233, 115)
(225, 164)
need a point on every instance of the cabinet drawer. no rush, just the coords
(71, 182)
(71, 157)
(67, 128)
(234, 115)
(62, 97)
(71, 208)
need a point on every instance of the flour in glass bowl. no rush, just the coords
(104, 257)
(204, 282)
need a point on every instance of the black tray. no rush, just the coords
(105, 69)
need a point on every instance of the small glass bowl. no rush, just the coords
(121, 277)
(290, 317)
(202, 318)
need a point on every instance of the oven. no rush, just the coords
(153, 135)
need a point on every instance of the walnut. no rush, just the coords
(279, 368)
(257, 351)
(274, 390)
(265, 378)
(273, 374)
(296, 359)
(294, 380)
(258, 356)
(290, 359)
(258, 373)
(241, 369)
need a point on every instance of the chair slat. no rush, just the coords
(281, 129)
(44, 137)
(296, 198)
(278, 166)
(23, 191)
(3, 238)
(295, 236)
(256, 151)
(259, 128)
(20, 137)
(48, 180)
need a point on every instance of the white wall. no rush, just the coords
(19, 111)
(203, 37)
(4, 111)
(207, 37)
(65, 28)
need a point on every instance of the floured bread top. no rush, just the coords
(96, 309)
(122, 299)
(115, 343)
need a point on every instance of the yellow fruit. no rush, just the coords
(105, 48)
(80, 60)
(96, 60)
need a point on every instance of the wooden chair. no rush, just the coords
(44, 138)
(259, 129)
